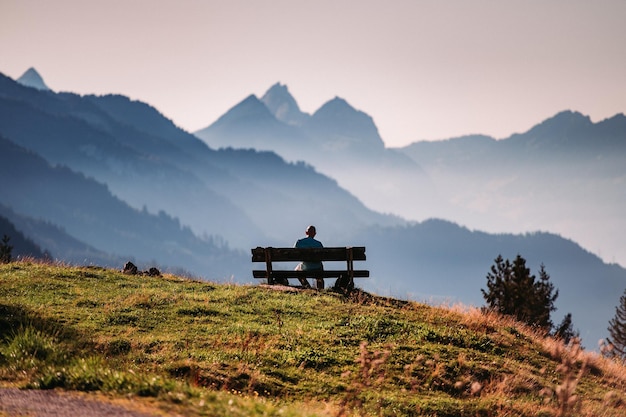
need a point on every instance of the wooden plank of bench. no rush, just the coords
(270, 255)
(308, 254)
(309, 274)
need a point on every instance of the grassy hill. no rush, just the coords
(204, 349)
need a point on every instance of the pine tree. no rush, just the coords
(497, 286)
(5, 250)
(565, 331)
(544, 296)
(617, 330)
(513, 290)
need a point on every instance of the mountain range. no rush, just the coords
(566, 164)
(338, 141)
(104, 179)
(566, 175)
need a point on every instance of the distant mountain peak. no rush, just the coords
(283, 106)
(250, 105)
(252, 99)
(560, 128)
(278, 87)
(338, 108)
(249, 109)
(339, 103)
(249, 114)
(340, 120)
(571, 116)
(31, 78)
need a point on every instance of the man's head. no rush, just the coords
(310, 231)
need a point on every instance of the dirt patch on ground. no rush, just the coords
(47, 403)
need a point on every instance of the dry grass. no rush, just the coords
(574, 363)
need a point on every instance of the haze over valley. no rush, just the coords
(565, 175)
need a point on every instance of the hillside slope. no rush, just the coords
(449, 264)
(196, 348)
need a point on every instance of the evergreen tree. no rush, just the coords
(544, 296)
(513, 290)
(617, 330)
(565, 330)
(5, 250)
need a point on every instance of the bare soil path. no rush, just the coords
(47, 403)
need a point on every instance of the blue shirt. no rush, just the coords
(309, 242)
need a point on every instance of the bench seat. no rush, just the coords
(271, 255)
(261, 273)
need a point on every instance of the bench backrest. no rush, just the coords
(355, 253)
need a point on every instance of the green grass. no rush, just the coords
(205, 349)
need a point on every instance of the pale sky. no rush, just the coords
(423, 69)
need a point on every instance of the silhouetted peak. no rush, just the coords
(338, 117)
(278, 88)
(568, 117)
(557, 128)
(573, 131)
(250, 106)
(31, 78)
(251, 100)
(616, 122)
(337, 104)
(249, 110)
(277, 94)
(338, 110)
(283, 106)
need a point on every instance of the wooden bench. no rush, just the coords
(348, 254)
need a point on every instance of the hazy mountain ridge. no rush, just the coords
(335, 128)
(338, 140)
(89, 213)
(272, 201)
(565, 164)
(177, 176)
(566, 175)
(574, 132)
(252, 175)
(57, 243)
(250, 124)
(21, 246)
(172, 170)
(115, 157)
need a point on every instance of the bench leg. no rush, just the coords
(320, 283)
(304, 282)
(344, 283)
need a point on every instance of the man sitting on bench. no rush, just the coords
(310, 242)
